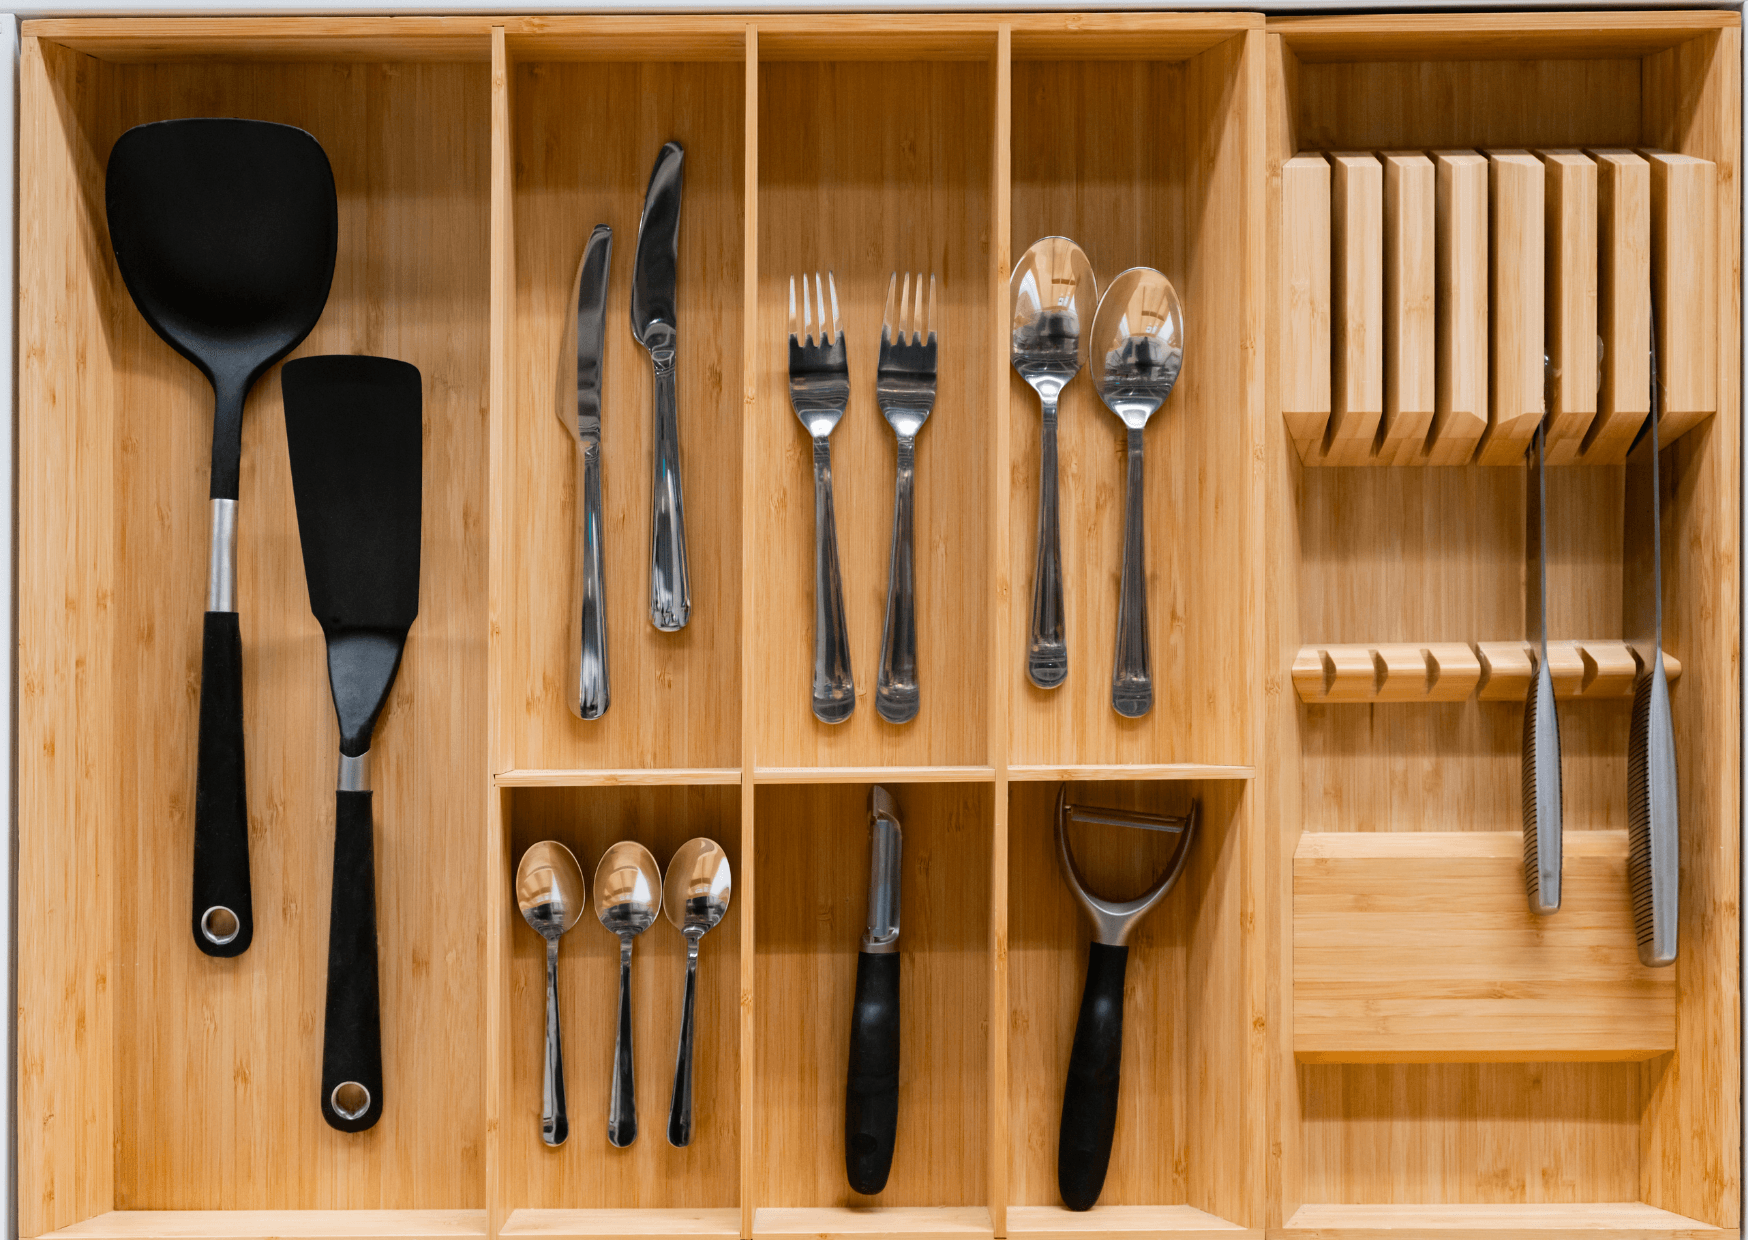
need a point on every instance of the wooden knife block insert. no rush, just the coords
(1341, 1022)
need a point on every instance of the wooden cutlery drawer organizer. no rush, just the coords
(1343, 1021)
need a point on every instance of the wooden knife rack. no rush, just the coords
(1344, 1022)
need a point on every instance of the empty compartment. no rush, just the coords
(126, 1033)
(675, 695)
(812, 854)
(587, 1186)
(867, 168)
(1185, 1014)
(1175, 198)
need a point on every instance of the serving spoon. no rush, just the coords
(551, 895)
(1137, 351)
(695, 898)
(1052, 295)
(628, 897)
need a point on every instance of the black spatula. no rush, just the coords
(224, 231)
(352, 425)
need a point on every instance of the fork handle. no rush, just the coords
(834, 687)
(896, 695)
(1047, 651)
(1132, 674)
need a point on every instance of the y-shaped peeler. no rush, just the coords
(1089, 1097)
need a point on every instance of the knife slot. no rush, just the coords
(1684, 228)
(1305, 276)
(1410, 218)
(1457, 671)
(1357, 301)
(1623, 220)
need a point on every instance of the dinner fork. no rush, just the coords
(819, 388)
(905, 388)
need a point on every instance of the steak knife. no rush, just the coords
(656, 326)
(590, 693)
(1653, 827)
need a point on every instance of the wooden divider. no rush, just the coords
(1326, 673)
(1570, 300)
(1408, 307)
(1623, 285)
(1516, 190)
(1305, 299)
(1461, 312)
(1356, 219)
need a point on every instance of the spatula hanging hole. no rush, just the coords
(219, 925)
(350, 1100)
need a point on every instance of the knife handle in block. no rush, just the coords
(591, 693)
(670, 591)
(871, 1091)
(352, 1028)
(224, 913)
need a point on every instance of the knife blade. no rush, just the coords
(871, 1085)
(655, 325)
(1653, 823)
(591, 692)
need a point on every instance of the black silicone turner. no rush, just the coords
(224, 231)
(353, 427)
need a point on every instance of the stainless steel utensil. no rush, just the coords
(819, 390)
(1089, 1096)
(628, 898)
(590, 691)
(1653, 818)
(551, 894)
(1542, 840)
(695, 895)
(871, 1085)
(655, 322)
(905, 389)
(1137, 352)
(1053, 296)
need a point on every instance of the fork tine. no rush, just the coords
(792, 322)
(905, 320)
(916, 312)
(930, 335)
(887, 326)
(837, 323)
(806, 312)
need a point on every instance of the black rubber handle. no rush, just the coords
(352, 1032)
(1089, 1099)
(221, 810)
(871, 1092)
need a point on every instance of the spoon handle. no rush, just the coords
(1047, 651)
(1132, 675)
(555, 1122)
(680, 1108)
(896, 694)
(834, 685)
(622, 1113)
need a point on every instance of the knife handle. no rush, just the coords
(1089, 1098)
(1653, 818)
(592, 691)
(224, 913)
(670, 592)
(352, 1027)
(871, 1090)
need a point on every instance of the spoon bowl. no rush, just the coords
(628, 899)
(696, 897)
(1137, 354)
(551, 895)
(1053, 296)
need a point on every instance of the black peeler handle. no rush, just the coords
(1089, 1098)
(871, 1095)
(224, 914)
(352, 1028)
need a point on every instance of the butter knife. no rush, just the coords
(655, 324)
(1653, 824)
(590, 694)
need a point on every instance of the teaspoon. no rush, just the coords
(695, 899)
(551, 895)
(628, 897)
(1137, 351)
(1053, 295)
